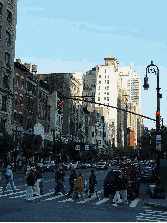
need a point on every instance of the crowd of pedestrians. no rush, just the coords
(35, 183)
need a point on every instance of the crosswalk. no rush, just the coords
(49, 196)
(152, 215)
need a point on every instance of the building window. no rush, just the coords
(15, 100)
(3, 122)
(104, 98)
(44, 113)
(99, 87)
(21, 101)
(98, 98)
(17, 81)
(105, 72)
(93, 94)
(4, 102)
(99, 76)
(93, 100)
(8, 37)
(107, 98)
(7, 58)
(20, 119)
(107, 93)
(5, 82)
(99, 93)
(22, 83)
(107, 81)
(107, 87)
(10, 1)
(99, 82)
(9, 16)
(0, 8)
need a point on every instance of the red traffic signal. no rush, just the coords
(157, 113)
(59, 107)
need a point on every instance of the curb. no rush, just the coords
(156, 205)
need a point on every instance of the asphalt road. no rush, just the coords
(49, 208)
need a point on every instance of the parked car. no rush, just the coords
(49, 165)
(94, 164)
(63, 166)
(109, 187)
(75, 164)
(88, 165)
(101, 166)
(69, 165)
(147, 175)
(83, 166)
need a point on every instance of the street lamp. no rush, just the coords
(152, 68)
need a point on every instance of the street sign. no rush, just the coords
(86, 147)
(77, 147)
(158, 142)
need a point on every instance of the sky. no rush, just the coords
(70, 36)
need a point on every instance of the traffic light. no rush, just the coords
(158, 119)
(59, 107)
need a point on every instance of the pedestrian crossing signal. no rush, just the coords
(59, 106)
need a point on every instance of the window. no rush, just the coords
(105, 72)
(11, 1)
(22, 83)
(105, 76)
(39, 111)
(99, 82)
(107, 93)
(99, 87)
(93, 100)
(93, 94)
(17, 81)
(5, 82)
(98, 98)
(20, 119)
(9, 16)
(3, 122)
(4, 102)
(108, 76)
(99, 76)
(104, 92)
(0, 8)
(21, 101)
(7, 58)
(104, 98)
(8, 37)
(107, 98)
(107, 87)
(15, 100)
(99, 93)
(107, 81)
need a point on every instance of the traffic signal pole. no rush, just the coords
(158, 191)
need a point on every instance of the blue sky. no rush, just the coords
(70, 36)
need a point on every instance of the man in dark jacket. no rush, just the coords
(59, 178)
(92, 182)
(72, 177)
(30, 185)
(117, 183)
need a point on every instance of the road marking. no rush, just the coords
(53, 198)
(134, 203)
(102, 201)
(70, 199)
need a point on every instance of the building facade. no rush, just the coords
(8, 19)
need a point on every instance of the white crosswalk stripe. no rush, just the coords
(50, 196)
(152, 215)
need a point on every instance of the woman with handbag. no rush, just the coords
(9, 178)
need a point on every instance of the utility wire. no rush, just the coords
(109, 106)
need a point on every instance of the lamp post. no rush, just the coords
(152, 68)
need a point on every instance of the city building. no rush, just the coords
(8, 19)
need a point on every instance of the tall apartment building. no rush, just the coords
(8, 18)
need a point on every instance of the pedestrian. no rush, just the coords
(92, 182)
(72, 177)
(30, 185)
(20, 165)
(9, 179)
(79, 186)
(117, 183)
(125, 185)
(59, 179)
(37, 178)
(41, 184)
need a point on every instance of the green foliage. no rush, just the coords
(121, 152)
(6, 144)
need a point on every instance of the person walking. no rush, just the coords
(79, 186)
(92, 182)
(30, 185)
(117, 183)
(37, 178)
(9, 179)
(59, 178)
(41, 184)
(72, 177)
(125, 185)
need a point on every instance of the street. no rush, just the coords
(59, 208)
